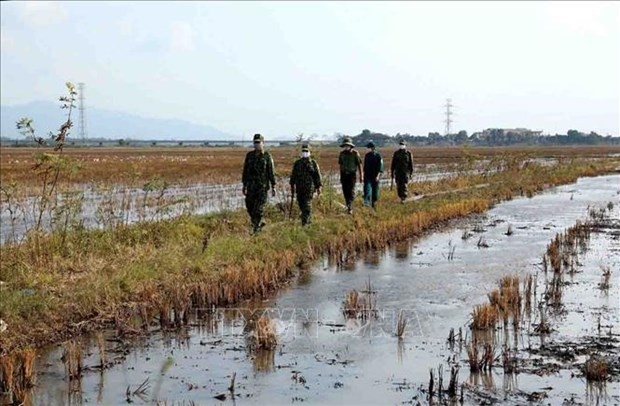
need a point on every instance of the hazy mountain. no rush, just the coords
(48, 116)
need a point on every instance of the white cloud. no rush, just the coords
(181, 37)
(42, 13)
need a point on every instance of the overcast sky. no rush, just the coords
(283, 68)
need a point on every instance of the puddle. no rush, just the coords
(324, 359)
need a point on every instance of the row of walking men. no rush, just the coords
(259, 176)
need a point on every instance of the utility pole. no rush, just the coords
(449, 113)
(82, 110)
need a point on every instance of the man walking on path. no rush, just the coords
(402, 169)
(350, 164)
(305, 180)
(373, 168)
(258, 175)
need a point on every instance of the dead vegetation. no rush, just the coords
(605, 278)
(17, 375)
(401, 324)
(480, 356)
(210, 164)
(264, 335)
(72, 359)
(160, 271)
(596, 369)
(484, 317)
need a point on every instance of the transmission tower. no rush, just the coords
(449, 113)
(82, 109)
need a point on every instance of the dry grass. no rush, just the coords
(72, 359)
(17, 375)
(484, 317)
(80, 281)
(401, 324)
(264, 336)
(354, 304)
(7, 371)
(596, 369)
(183, 165)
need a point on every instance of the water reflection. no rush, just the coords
(400, 351)
(372, 258)
(401, 250)
(596, 393)
(484, 378)
(511, 383)
(435, 297)
(263, 360)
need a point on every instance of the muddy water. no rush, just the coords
(323, 359)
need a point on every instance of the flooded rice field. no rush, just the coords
(434, 282)
(103, 207)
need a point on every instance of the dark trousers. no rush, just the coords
(304, 200)
(347, 180)
(371, 192)
(254, 203)
(401, 184)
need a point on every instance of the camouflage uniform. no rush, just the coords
(305, 180)
(402, 169)
(350, 163)
(258, 176)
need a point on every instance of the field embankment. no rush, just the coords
(57, 286)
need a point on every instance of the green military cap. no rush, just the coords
(258, 138)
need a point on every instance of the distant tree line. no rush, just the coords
(489, 137)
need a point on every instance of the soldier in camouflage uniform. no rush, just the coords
(305, 180)
(258, 175)
(350, 164)
(402, 169)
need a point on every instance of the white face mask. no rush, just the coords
(401, 146)
(305, 154)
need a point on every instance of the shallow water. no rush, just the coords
(324, 359)
(104, 207)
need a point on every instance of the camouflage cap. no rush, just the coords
(258, 138)
(305, 147)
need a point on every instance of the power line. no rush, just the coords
(449, 113)
(82, 109)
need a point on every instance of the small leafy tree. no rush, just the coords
(50, 165)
